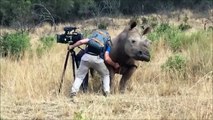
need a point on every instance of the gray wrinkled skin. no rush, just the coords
(128, 47)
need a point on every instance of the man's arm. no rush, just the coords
(80, 42)
(109, 60)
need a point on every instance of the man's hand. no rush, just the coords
(80, 42)
(116, 66)
(70, 47)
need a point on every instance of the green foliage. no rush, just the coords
(171, 34)
(184, 27)
(60, 9)
(83, 8)
(1, 118)
(210, 28)
(103, 25)
(25, 11)
(187, 40)
(200, 52)
(159, 31)
(185, 19)
(153, 21)
(14, 44)
(79, 116)
(45, 45)
(175, 38)
(177, 62)
(15, 11)
(163, 27)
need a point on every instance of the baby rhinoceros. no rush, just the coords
(127, 48)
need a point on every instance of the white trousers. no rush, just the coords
(95, 62)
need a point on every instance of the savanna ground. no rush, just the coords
(29, 87)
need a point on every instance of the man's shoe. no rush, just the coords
(73, 94)
(106, 93)
(73, 97)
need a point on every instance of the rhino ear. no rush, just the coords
(132, 24)
(147, 30)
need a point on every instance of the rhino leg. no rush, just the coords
(112, 81)
(125, 77)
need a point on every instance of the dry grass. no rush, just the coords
(29, 90)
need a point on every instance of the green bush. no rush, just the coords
(187, 40)
(159, 31)
(103, 25)
(79, 116)
(177, 62)
(153, 21)
(184, 27)
(175, 39)
(171, 34)
(46, 44)
(210, 28)
(14, 44)
(200, 52)
(163, 27)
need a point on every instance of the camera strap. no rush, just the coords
(102, 33)
(98, 41)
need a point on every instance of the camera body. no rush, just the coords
(70, 36)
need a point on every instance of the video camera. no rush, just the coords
(70, 36)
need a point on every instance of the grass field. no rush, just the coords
(29, 87)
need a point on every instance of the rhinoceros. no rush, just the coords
(127, 48)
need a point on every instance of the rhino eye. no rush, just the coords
(133, 41)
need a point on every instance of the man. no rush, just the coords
(93, 58)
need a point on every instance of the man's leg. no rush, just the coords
(104, 72)
(80, 75)
(84, 84)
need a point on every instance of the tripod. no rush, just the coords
(75, 62)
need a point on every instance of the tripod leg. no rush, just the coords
(73, 63)
(63, 73)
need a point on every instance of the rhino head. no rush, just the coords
(136, 45)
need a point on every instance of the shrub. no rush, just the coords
(171, 34)
(200, 52)
(14, 44)
(186, 18)
(79, 116)
(210, 28)
(184, 27)
(175, 39)
(163, 27)
(46, 44)
(176, 62)
(153, 21)
(159, 31)
(103, 25)
(192, 38)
